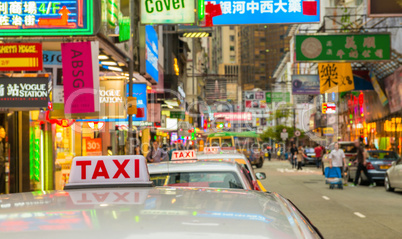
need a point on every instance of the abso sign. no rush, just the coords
(267, 12)
(108, 170)
(167, 11)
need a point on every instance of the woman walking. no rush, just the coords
(300, 155)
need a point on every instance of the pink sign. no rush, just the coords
(80, 77)
(235, 116)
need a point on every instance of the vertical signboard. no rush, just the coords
(267, 12)
(377, 88)
(46, 18)
(151, 55)
(393, 87)
(20, 56)
(81, 77)
(140, 92)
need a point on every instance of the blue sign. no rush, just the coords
(306, 84)
(151, 57)
(267, 11)
(140, 91)
(52, 58)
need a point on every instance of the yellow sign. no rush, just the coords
(328, 131)
(335, 77)
(131, 105)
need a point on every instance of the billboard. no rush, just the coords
(151, 56)
(112, 98)
(393, 88)
(267, 12)
(343, 47)
(46, 18)
(277, 97)
(167, 12)
(24, 92)
(140, 91)
(80, 77)
(305, 84)
(21, 56)
(389, 8)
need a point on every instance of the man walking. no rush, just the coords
(293, 152)
(318, 155)
(156, 154)
(337, 158)
(361, 160)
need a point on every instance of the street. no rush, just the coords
(359, 212)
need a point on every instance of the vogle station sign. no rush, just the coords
(24, 92)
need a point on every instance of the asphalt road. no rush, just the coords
(359, 212)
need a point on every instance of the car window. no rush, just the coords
(198, 179)
(227, 142)
(348, 148)
(378, 155)
(310, 150)
(215, 142)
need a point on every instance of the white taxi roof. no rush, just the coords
(158, 212)
(222, 155)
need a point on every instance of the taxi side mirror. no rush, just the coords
(260, 176)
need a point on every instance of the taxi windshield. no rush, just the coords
(198, 179)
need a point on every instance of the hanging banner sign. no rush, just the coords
(267, 12)
(167, 11)
(140, 92)
(151, 56)
(377, 88)
(335, 77)
(305, 84)
(20, 56)
(80, 77)
(46, 18)
(24, 92)
(343, 47)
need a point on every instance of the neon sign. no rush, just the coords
(38, 18)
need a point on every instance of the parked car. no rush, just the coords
(348, 148)
(393, 176)
(310, 159)
(378, 162)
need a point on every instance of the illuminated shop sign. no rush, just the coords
(167, 11)
(24, 92)
(152, 52)
(21, 56)
(39, 18)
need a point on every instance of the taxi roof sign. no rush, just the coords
(109, 171)
(212, 150)
(183, 155)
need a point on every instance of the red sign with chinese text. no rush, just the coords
(21, 57)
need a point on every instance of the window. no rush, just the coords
(232, 48)
(232, 38)
(232, 58)
(231, 27)
(198, 179)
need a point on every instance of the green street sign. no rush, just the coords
(277, 97)
(167, 11)
(177, 115)
(343, 47)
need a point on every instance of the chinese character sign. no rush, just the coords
(267, 11)
(46, 18)
(362, 47)
(335, 77)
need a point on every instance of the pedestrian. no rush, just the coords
(337, 158)
(2, 161)
(137, 150)
(300, 155)
(318, 155)
(156, 154)
(361, 160)
(269, 154)
(174, 148)
(293, 159)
